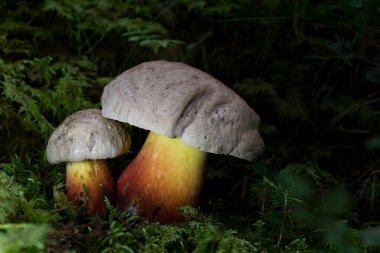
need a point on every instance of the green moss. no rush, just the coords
(309, 68)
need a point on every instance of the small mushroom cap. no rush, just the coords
(179, 101)
(86, 135)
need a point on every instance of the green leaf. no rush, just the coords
(25, 237)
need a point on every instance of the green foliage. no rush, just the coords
(69, 211)
(33, 238)
(293, 207)
(16, 207)
(62, 91)
(130, 19)
(289, 105)
(11, 197)
(309, 68)
(21, 237)
(200, 234)
(118, 239)
(203, 233)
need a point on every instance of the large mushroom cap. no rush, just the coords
(87, 135)
(179, 101)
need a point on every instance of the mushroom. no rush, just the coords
(85, 140)
(188, 113)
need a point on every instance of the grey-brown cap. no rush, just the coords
(179, 101)
(86, 135)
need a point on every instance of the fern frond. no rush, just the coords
(256, 86)
(29, 108)
(289, 105)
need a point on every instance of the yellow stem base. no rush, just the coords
(98, 179)
(165, 176)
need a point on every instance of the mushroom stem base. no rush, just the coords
(97, 178)
(165, 176)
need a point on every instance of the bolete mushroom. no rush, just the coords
(85, 140)
(188, 113)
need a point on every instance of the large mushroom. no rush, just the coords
(85, 140)
(188, 113)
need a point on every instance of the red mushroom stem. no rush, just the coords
(165, 176)
(97, 177)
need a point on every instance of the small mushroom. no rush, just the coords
(188, 113)
(85, 140)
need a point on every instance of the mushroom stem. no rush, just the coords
(165, 176)
(97, 177)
